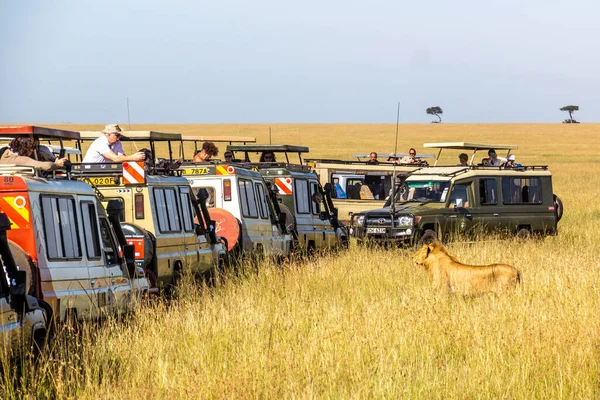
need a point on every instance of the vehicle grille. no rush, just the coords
(379, 221)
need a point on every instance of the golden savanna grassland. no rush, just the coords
(364, 323)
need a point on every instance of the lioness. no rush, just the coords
(447, 274)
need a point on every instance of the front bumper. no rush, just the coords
(383, 234)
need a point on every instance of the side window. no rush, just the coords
(315, 195)
(60, 227)
(90, 227)
(160, 205)
(173, 210)
(250, 208)
(108, 244)
(262, 200)
(460, 196)
(167, 210)
(301, 192)
(488, 192)
(186, 209)
(521, 190)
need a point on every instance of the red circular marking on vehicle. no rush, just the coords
(230, 169)
(125, 165)
(226, 226)
(288, 180)
(19, 202)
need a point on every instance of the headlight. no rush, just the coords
(360, 220)
(405, 220)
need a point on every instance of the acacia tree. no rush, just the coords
(437, 110)
(571, 110)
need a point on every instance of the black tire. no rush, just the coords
(558, 208)
(429, 236)
(290, 218)
(524, 234)
(24, 263)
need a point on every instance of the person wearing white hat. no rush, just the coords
(108, 148)
(510, 162)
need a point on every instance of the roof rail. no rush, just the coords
(265, 165)
(12, 169)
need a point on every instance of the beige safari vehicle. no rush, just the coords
(62, 239)
(162, 218)
(24, 320)
(359, 186)
(311, 216)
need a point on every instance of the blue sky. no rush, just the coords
(311, 61)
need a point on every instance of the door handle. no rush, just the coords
(452, 216)
(496, 214)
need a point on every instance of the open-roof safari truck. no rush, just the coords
(172, 234)
(63, 240)
(310, 213)
(441, 202)
(245, 211)
(361, 186)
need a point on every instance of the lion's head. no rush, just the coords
(421, 256)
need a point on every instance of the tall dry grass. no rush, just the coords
(366, 323)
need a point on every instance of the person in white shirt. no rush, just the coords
(108, 148)
(494, 160)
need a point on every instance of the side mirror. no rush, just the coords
(129, 255)
(212, 231)
(202, 194)
(17, 291)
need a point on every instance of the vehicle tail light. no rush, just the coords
(227, 189)
(139, 206)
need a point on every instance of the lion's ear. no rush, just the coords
(429, 248)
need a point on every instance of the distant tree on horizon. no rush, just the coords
(436, 110)
(571, 110)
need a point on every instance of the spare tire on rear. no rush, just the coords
(139, 236)
(558, 208)
(290, 218)
(227, 226)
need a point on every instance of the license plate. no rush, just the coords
(104, 181)
(375, 230)
(195, 171)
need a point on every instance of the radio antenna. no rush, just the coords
(393, 197)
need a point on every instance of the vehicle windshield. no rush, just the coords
(423, 191)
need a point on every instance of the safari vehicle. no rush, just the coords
(351, 180)
(314, 224)
(245, 211)
(24, 320)
(440, 202)
(63, 240)
(162, 218)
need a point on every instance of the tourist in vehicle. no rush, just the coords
(339, 190)
(108, 148)
(411, 158)
(463, 159)
(494, 160)
(267, 156)
(510, 162)
(373, 159)
(392, 158)
(20, 152)
(228, 156)
(207, 151)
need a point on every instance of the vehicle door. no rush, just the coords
(522, 203)
(67, 277)
(324, 233)
(304, 218)
(488, 210)
(252, 232)
(271, 237)
(198, 253)
(170, 242)
(459, 216)
(102, 258)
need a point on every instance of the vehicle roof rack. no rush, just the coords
(443, 171)
(275, 148)
(219, 139)
(468, 146)
(135, 135)
(38, 132)
(265, 165)
(397, 155)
